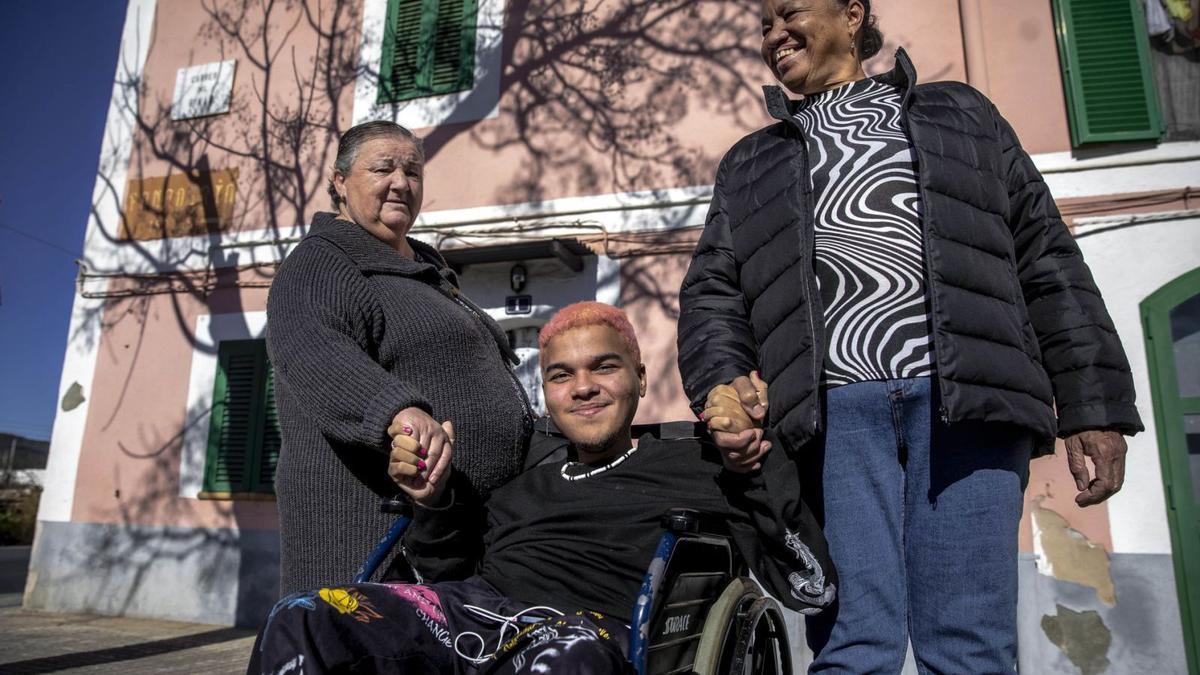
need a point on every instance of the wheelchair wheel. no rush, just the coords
(744, 634)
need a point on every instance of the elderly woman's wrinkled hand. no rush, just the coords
(1107, 451)
(421, 453)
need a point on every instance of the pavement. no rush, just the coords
(40, 642)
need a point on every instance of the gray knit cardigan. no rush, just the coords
(357, 332)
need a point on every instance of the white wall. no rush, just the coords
(1129, 263)
(79, 362)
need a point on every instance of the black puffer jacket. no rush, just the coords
(1018, 324)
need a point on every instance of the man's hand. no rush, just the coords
(752, 392)
(1107, 452)
(412, 467)
(742, 452)
(735, 413)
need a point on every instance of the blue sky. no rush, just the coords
(59, 61)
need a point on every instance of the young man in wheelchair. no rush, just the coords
(568, 541)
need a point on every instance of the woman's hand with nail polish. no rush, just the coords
(431, 436)
(413, 467)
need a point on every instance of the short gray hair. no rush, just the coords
(351, 141)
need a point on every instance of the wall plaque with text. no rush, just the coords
(203, 90)
(179, 205)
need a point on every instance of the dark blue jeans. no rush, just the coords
(921, 519)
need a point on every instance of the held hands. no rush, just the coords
(421, 452)
(1107, 452)
(737, 406)
(735, 413)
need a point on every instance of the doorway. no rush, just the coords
(1171, 316)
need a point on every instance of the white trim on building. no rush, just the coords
(79, 363)
(211, 331)
(1170, 166)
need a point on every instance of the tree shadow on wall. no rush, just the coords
(147, 555)
(591, 92)
(612, 77)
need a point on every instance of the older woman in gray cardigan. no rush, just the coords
(370, 338)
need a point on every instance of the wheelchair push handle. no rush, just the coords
(684, 522)
(681, 521)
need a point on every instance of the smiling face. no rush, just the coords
(807, 44)
(383, 190)
(592, 384)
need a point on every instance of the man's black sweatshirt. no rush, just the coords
(584, 544)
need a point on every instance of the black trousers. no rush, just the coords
(462, 627)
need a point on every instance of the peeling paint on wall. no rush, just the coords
(1082, 637)
(73, 398)
(1067, 555)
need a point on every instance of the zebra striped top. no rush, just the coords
(869, 254)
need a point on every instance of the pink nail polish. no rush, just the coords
(701, 417)
(421, 464)
(422, 452)
(406, 429)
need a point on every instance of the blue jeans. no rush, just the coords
(921, 519)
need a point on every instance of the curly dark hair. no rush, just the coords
(352, 140)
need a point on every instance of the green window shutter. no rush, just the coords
(453, 67)
(243, 438)
(269, 454)
(1104, 52)
(401, 39)
(428, 49)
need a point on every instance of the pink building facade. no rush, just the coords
(571, 150)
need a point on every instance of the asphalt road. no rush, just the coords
(14, 562)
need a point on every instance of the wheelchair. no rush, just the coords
(697, 612)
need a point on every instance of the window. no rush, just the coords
(428, 49)
(1174, 29)
(524, 342)
(1104, 53)
(243, 439)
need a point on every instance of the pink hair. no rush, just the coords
(588, 313)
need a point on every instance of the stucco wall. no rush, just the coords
(1130, 263)
(140, 416)
(117, 459)
(226, 576)
(1101, 596)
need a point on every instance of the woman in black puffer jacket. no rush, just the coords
(889, 260)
